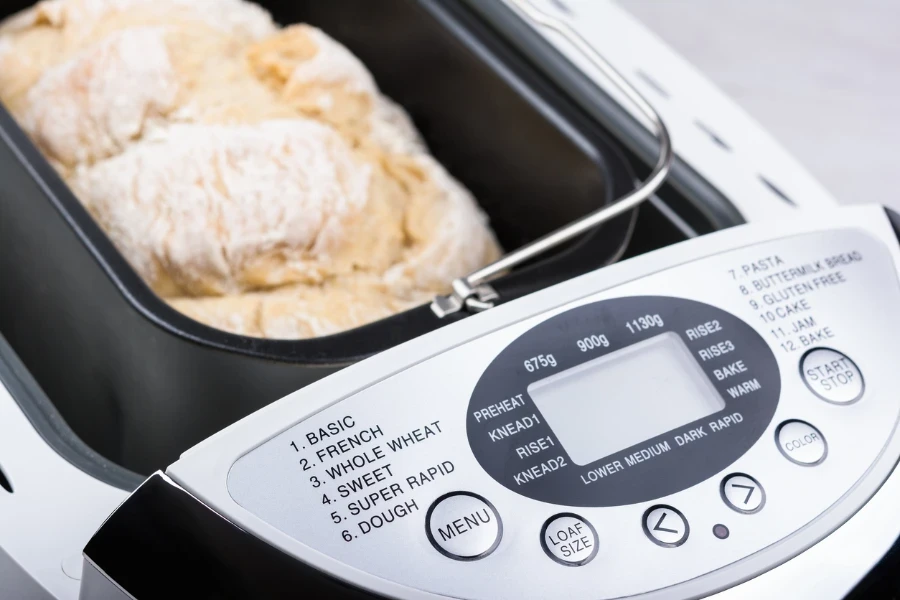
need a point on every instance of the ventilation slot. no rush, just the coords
(563, 7)
(4, 482)
(653, 84)
(712, 135)
(775, 190)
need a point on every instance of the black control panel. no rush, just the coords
(623, 401)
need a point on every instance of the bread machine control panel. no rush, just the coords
(646, 436)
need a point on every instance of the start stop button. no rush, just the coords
(832, 376)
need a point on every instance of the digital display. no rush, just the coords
(623, 398)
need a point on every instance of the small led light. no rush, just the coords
(720, 531)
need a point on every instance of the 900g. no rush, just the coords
(591, 342)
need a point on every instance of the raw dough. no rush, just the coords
(202, 207)
(255, 177)
(51, 31)
(301, 311)
(322, 80)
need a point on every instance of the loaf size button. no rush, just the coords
(666, 526)
(743, 493)
(832, 376)
(463, 526)
(569, 539)
(801, 443)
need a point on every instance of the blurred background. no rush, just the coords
(822, 76)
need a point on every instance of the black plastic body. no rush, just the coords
(163, 537)
(164, 543)
(140, 383)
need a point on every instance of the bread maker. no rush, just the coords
(666, 389)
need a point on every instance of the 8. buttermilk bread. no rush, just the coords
(254, 176)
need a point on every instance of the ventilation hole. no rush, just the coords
(4, 482)
(775, 190)
(652, 83)
(563, 7)
(712, 135)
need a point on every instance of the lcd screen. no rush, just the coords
(623, 398)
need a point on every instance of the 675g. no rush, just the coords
(540, 361)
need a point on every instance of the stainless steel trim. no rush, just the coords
(472, 292)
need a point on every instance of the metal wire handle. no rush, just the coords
(471, 292)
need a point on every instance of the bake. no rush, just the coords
(254, 176)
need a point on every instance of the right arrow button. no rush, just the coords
(743, 493)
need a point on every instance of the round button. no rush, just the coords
(463, 526)
(743, 493)
(666, 526)
(569, 539)
(801, 443)
(832, 376)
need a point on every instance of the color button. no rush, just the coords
(801, 443)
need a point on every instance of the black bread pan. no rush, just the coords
(140, 383)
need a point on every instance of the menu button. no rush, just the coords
(463, 526)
